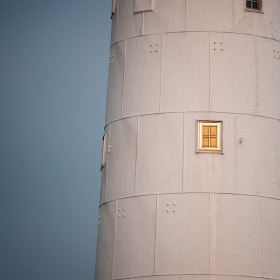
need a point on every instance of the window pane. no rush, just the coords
(205, 142)
(213, 142)
(213, 130)
(248, 4)
(205, 130)
(255, 5)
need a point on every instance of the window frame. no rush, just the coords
(258, 10)
(103, 153)
(200, 147)
(113, 8)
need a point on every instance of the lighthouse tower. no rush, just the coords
(191, 150)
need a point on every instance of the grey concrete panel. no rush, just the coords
(209, 171)
(268, 77)
(104, 169)
(232, 73)
(128, 24)
(168, 16)
(271, 234)
(121, 163)
(142, 76)
(266, 24)
(257, 166)
(105, 242)
(135, 237)
(236, 242)
(182, 244)
(115, 82)
(207, 15)
(185, 72)
(160, 154)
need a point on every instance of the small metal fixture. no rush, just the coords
(241, 140)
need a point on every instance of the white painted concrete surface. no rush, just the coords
(166, 211)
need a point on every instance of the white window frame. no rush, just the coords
(200, 147)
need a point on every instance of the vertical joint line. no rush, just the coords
(185, 15)
(155, 249)
(233, 10)
(161, 63)
(209, 83)
(235, 181)
(125, 47)
(115, 229)
(142, 26)
(261, 229)
(209, 232)
(183, 161)
(137, 140)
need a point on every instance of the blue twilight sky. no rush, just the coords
(54, 58)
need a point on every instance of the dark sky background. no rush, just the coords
(54, 58)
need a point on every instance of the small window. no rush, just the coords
(114, 7)
(209, 136)
(103, 155)
(254, 4)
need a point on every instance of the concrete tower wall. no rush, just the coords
(168, 212)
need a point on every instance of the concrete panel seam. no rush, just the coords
(168, 193)
(185, 14)
(233, 12)
(200, 112)
(261, 229)
(181, 275)
(235, 161)
(209, 233)
(115, 228)
(125, 48)
(156, 225)
(161, 63)
(137, 138)
(209, 76)
(183, 159)
(196, 31)
(278, 157)
(142, 25)
(256, 77)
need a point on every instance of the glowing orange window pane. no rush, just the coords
(213, 142)
(205, 142)
(213, 130)
(205, 130)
